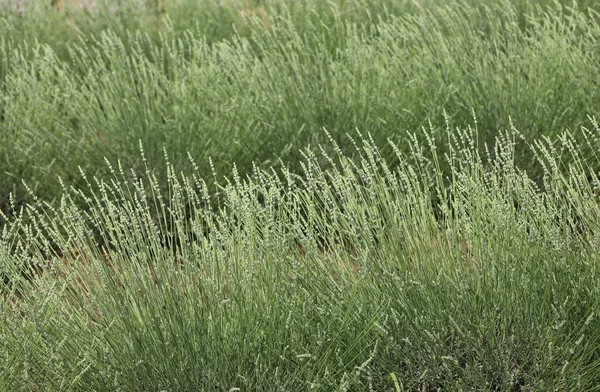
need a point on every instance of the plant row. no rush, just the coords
(350, 276)
(261, 98)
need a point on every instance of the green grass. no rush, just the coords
(330, 280)
(412, 200)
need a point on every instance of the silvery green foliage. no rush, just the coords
(332, 278)
(444, 259)
(257, 94)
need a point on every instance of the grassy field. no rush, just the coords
(275, 195)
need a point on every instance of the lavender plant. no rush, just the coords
(333, 279)
(263, 97)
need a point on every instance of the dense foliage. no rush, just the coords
(282, 195)
(263, 97)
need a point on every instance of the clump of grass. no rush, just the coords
(333, 279)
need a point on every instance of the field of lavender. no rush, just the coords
(299, 195)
